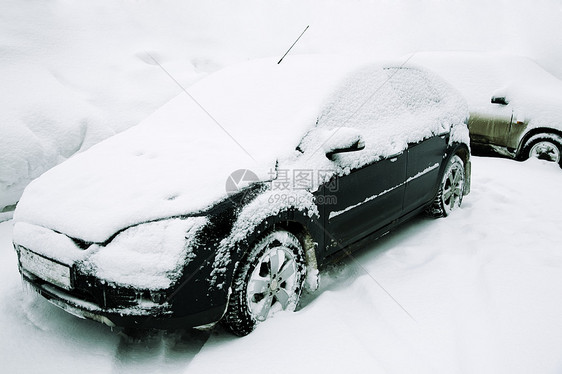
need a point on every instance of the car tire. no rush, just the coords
(544, 147)
(451, 189)
(269, 279)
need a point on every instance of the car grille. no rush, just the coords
(103, 296)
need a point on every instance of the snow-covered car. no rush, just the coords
(515, 105)
(225, 203)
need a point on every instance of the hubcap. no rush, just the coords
(273, 283)
(545, 150)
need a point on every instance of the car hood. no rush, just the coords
(177, 161)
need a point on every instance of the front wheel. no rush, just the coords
(451, 189)
(269, 280)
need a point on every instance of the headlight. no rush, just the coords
(158, 297)
(149, 256)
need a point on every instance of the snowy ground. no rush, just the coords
(481, 289)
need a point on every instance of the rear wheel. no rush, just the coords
(269, 280)
(544, 147)
(451, 190)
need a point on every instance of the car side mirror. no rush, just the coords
(341, 140)
(499, 100)
(356, 146)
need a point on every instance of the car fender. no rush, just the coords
(298, 214)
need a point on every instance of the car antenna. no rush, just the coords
(291, 47)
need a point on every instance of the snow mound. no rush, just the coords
(46, 128)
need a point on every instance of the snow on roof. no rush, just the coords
(405, 105)
(177, 161)
(388, 106)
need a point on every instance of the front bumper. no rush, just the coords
(142, 314)
(62, 278)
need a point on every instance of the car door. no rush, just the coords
(491, 125)
(363, 201)
(370, 196)
(422, 172)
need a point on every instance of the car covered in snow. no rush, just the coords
(515, 105)
(224, 204)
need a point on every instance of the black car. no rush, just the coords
(225, 203)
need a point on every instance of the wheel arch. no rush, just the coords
(297, 222)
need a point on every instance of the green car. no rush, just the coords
(515, 105)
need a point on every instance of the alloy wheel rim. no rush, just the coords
(545, 150)
(453, 187)
(273, 283)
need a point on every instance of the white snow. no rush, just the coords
(48, 243)
(73, 75)
(148, 256)
(482, 285)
